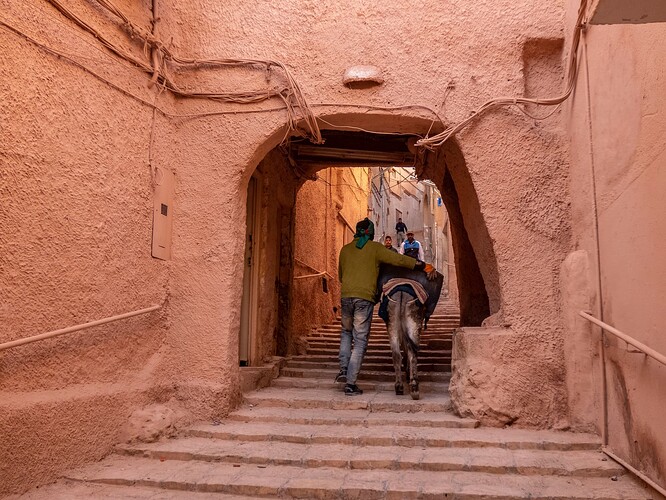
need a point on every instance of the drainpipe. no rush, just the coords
(155, 53)
(600, 311)
(381, 197)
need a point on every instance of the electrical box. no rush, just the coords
(163, 196)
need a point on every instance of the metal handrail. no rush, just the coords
(323, 273)
(317, 271)
(649, 352)
(70, 329)
(629, 340)
(633, 469)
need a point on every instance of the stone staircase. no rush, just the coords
(319, 366)
(303, 438)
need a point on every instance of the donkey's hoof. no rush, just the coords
(399, 391)
(415, 394)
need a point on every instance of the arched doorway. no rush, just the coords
(283, 169)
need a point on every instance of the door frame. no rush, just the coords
(250, 297)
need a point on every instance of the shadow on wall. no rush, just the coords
(474, 257)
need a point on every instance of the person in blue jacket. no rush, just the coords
(412, 247)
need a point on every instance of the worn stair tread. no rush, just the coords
(326, 482)
(381, 329)
(65, 489)
(387, 385)
(335, 339)
(423, 346)
(379, 350)
(370, 358)
(368, 382)
(335, 365)
(350, 417)
(334, 398)
(490, 460)
(511, 439)
(365, 374)
(374, 341)
(426, 356)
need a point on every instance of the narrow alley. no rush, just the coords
(195, 197)
(299, 439)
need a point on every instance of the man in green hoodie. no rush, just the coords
(358, 269)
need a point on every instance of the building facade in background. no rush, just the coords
(396, 193)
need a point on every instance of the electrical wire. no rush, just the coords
(65, 56)
(359, 129)
(86, 40)
(290, 94)
(439, 139)
(70, 58)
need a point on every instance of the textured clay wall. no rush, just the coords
(315, 239)
(517, 166)
(620, 105)
(75, 237)
(64, 120)
(318, 238)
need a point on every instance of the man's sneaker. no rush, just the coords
(342, 376)
(352, 390)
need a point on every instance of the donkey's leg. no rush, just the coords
(412, 324)
(394, 329)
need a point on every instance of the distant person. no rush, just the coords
(388, 243)
(412, 247)
(400, 229)
(358, 270)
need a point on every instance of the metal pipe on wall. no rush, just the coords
(70, 329)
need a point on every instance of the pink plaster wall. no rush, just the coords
(97, 213)
(622, 74)
(318, 238)
(76, 221)
(315, 240)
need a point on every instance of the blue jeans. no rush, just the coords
(356, 321)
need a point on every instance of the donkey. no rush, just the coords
(408, 301)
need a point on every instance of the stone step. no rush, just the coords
(332, 356)
(376, 350)
(286, 481)
(377, 328)
(434, 344)
(365, 384)
(432, 328)
(386, 365)
(424, 344)
(335, 337)
(332, 398)
(65, 489)
(495, 460)
(404, 436)
(364, 418)
(377, 321)
(381, 349)
(376, 337)
(365, 374)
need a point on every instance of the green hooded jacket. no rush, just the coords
(358, 268)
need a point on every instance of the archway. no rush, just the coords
(284, 169)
